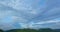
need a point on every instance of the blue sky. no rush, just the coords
(15, 14)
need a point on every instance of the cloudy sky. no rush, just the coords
(17, 14)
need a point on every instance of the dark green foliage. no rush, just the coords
(1, 30)
(33, 30)
(45, 30)
(22, 30)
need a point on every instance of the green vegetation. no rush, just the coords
(33, 30)
(46, 30)
(22, 30)
(1, 30)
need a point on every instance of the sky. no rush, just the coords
(35, 14)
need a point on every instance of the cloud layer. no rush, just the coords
(16, 14)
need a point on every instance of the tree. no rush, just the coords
(45, 30)
(1, 30)
(22, 30)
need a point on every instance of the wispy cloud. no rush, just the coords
(39, 24)
(29, 12)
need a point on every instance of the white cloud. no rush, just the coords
(19, 19)
(5, 13)
(17, 4)
(26, 10)
(37, 24)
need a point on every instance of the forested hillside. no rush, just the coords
(32, 30)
